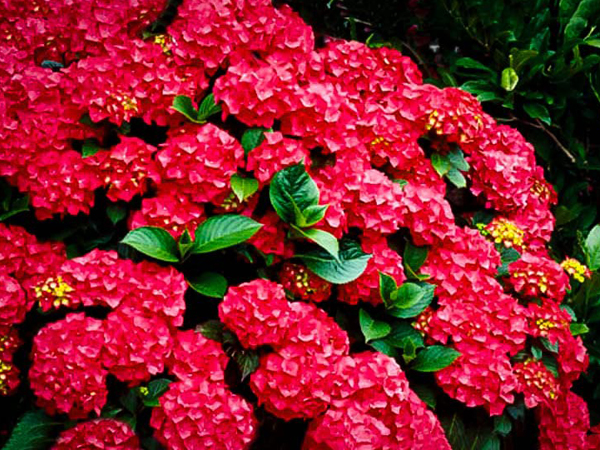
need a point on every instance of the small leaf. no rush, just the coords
(414, 256)
(502, 425)
(423, 300)
(551, 364)
(491, 443)
(387, 285)
(434, 358)
(407, 295)
(156, 388)
(207, 108)
(210, 284)
(18, 206)
(440, 163)
(322, 238)
(579, 328)
(509, 255)
(456, 178)
(538, 111)
(223, 231)
(243, 188)
(351, 262)
(292, 191)
(247, 361)
(154, 242)
(184, 105)
(509, 79)
(32, 432)
(536, 352)
(211, 329)
(592, 248)
(90, 148)
(252, 138)
(314, 214)
(372, 329)
(116, 212)
(457, 160)
(549, 346)
(382, 346)
(402, 335)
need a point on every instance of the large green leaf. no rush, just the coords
(207, 108)
(154, 242)
(414, 257)
(33, 432)
(416, 301)
(372, 329)
(434, 358)
(351, 263)
(252, 138)
(292, 191)
(184, 105)
(210, 284)
(223, 231)
(592, 248)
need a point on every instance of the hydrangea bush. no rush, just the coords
(307, 231)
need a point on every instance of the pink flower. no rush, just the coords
(98, 434)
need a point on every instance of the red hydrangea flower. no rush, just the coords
(126, 168)
(199, 161)
(274, 154)
(563, 423)
(199, 413)
(257, 312)
(13, 302)
(136, 345)
(193, 355)
(169, 210)
(538, 276)
(98, 434)
(536, 382)
(270, 238)
(67, 374)
(480, 378)
(303, 284)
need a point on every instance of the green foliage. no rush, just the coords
(185, 106)
(372, 329)
(434, 358)
(219, 232)
(211, 284)
(154, 242)
(243, 188)
(33, 432)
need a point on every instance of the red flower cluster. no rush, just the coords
(98, 434)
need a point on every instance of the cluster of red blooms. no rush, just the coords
(72, 75)
(354, 400)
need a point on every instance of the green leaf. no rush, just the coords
(538, 111)
(518, 58)
(247, 361)
(414, 256)
(456, 178)
(372, 329)
(440, 163)
(351, 263)
(426, 394)
(536, 352)
(382, 346)
(18, 206)
(314, 214)
(116, 212)
(156, 388)
(90, 148)
(210, 284)
(322, 238)
(417, 301)
(579, 328)
(403, 334)
(387, 285)
(32, 432)
(154, 242)
(252, 138)
(207, 108)
(508, 255)
(491, 443)
(185, 244)
(243, 188)
(223, 231)
(434, 358)
(592, 42)
(184, 105)
(502, 425)
(592, 248)
(292, 191)
(212, 329)
(470, 63)
(549, 346)
(509, 79)
(457, 159)
(551, 364)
